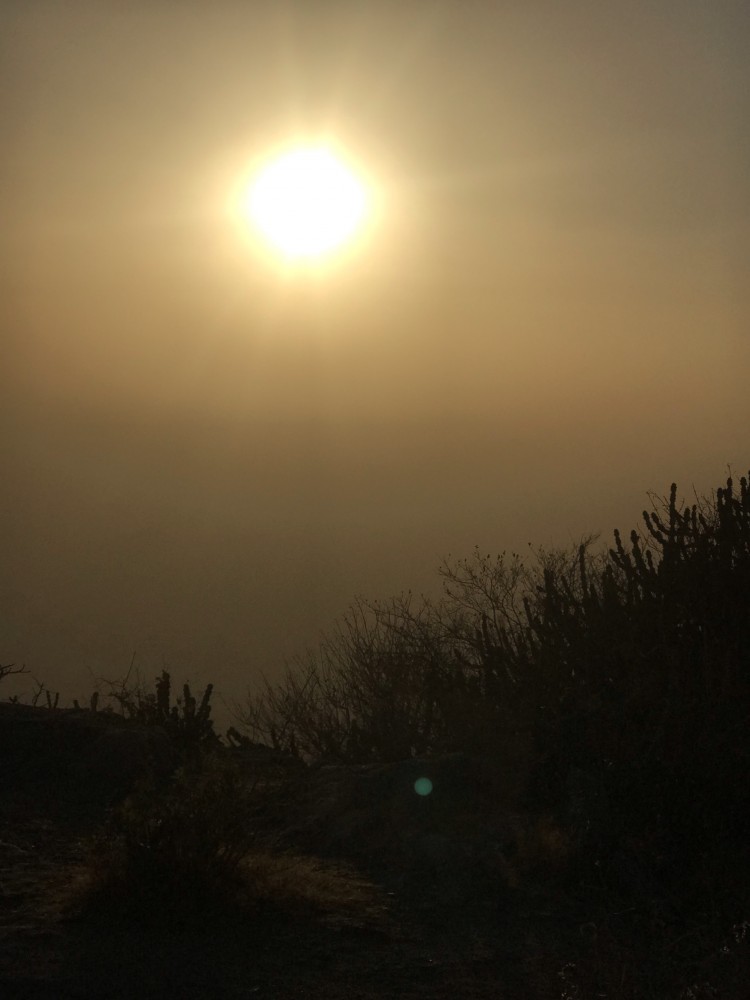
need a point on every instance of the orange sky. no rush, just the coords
(205, 458)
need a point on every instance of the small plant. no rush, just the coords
(93, 702)
(192, 852)
(52, 700)
(10, 670)
(177, 848)
(187, 722)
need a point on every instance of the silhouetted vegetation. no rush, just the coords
(10, 669)
(619, 681)
(605, 692)
(191, 852)
(187, 722)
(175, 848)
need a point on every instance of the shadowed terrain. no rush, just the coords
(536, 788)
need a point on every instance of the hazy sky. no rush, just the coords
(206, 456)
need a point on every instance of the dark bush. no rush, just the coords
(617, 680)
(369, 693)
(187, 722)
(635, 654)
(176, 850)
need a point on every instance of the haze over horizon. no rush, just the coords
(207, 454)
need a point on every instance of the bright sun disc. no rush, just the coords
(306, 202)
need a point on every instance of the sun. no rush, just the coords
(305, 202)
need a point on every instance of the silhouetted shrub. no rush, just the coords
(644, 743)
(370, 692)
(187, 722)
(10, 670)
(628, 655)
(176, 847)
(618, 680)
(191, 852)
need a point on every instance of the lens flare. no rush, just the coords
(423, 786)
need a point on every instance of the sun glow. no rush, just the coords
(305, 202)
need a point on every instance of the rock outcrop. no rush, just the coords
(77, 755)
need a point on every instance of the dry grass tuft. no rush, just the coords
(188, 853)
(303, 885)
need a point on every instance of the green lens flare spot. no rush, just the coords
(423, 786)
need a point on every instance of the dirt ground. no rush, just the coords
(413, 951)
(438, 932)
(417, 944)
